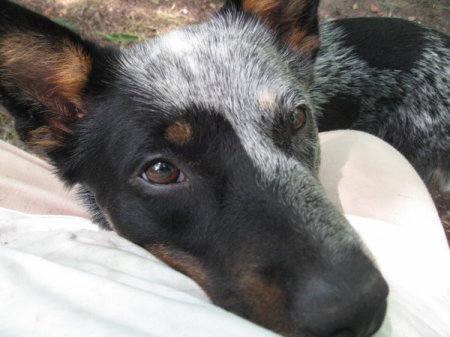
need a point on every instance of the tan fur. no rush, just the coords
(109, 221)
(265, 300)
(184, 263)
(268, 100)
(64, 68)
(50, 75)
(39, 140)
(261, 8)
(276, 14)
(179, 133)
(302, 43)
(71, 74)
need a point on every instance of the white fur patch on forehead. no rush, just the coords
(212, 63)
(268, 99)
(182, 46)
(177, 42)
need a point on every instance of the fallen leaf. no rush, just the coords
(355, 6)
(374, 8)
(412, 18)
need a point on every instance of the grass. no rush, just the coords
(447, 8)
(122, 38)
(390, 5)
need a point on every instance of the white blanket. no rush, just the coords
(61, 276)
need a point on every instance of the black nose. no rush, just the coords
(352, 305)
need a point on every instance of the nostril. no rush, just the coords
(338, 309)
(343, 333)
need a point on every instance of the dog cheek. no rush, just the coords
(182, 262)
(264, 300)
(109, 221)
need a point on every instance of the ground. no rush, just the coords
(123, 22)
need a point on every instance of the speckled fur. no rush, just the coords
(408, 109)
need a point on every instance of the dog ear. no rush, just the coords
(44, 69)
(295, 22)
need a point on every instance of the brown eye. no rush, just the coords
(297, 118)
(163, 173)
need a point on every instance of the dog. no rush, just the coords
(201, 145)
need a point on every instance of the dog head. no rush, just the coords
(201, 146)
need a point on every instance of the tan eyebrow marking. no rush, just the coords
(179, 133)
(268, 100)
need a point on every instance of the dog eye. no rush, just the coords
(163, 173)
(297, 118)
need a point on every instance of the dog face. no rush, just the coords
(201, 147)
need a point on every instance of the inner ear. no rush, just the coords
(295, 22)
(47, 79)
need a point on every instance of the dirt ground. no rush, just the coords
(122, 21)
(147, 18)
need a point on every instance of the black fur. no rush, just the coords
(385, 43)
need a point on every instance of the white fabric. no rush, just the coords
(60, 276)
(417, 269)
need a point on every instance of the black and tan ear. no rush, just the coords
(295, 22)
(44, 69)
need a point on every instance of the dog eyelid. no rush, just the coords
(161, 172)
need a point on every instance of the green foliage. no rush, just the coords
(447, 8)
(122, 38)
(67, 24)
(389, 4)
